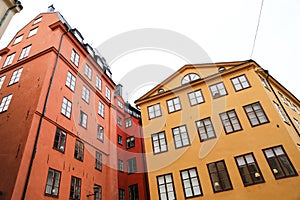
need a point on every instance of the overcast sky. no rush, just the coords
(224, 29)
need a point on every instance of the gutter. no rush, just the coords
(41, 119)
(285, 112)
(18, 4)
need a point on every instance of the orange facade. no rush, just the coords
(58, 119)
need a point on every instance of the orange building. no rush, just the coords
(58, 119)
(221, 131)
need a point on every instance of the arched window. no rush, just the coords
(189, 77)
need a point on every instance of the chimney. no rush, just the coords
(51, 8)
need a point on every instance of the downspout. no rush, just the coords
(147, 191)
(267, 79)
(18, 4)
(41, 119)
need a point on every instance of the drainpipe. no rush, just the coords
(18, 4)
(41, 119)
(267, 79)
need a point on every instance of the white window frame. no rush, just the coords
(128, 122)
(281, 113)
(100, 133)
(98, 83)
(101, 109)
(85, 94)
(66, 108)
(2, 79)
(75, 57)
(25, 52)
(37, 20)
(107, 93)
(32, 32)
(15, 77)
(18, 39)
(71, 81)
(5, 103)
(88, 71)
(83, 119)
(9, 59)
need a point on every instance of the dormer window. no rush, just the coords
(221, 69)
(190, 77)
(160, 90)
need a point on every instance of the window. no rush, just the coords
(218, 90)
(181, 137)
(66, 108)
(71, 81)
(230, 121)
(60, 140)
(119, 121)
(173, 105)
(9, 59)
(85, 95)
(120, 165)
(159, 142)
(33, 31)
(219, 176)
(190, 183)
(189, 77)
(5, 103)
(255, 114)
(75, 57)
(101, 109)
(130, 142)
(281, 113)
(196, 97)
(15, 76)
(75, 188)
(297, 122)
(2, 78)
(166, 190)
(18, 39)
(120, 104)
(279, 162)
(98, 192)
(98, 161)
(100, 133)
(107, 92)
(98, 83)
(37, 20)
(25, 52)
(205, 129)
(154, 111)
(53, 180)
(221, 69)
(88, 72)
(78, 153)
(131, 165)
(120, 140)
(83, 119)
(128, 122)
(133, 192)
(282, 98)
(249, 169)
(240, 83)
(121, 194)
(264, 83)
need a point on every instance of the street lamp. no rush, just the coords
(96, 190)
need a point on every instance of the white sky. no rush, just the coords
(224, 29)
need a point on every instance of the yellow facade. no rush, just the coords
(270, 140)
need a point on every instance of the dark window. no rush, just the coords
(181, 136)
(120, 140)
(75, 57)
(98, 161)
(121, 194)
(53, 180)
(133, 192)
(119, 121)
(205, 129)
(98, 192)
(78, 153)
(256, 114)
(120, 165)
(131, 165)
(174, 104)
(165, 186)
(190, 183)
(196, 97)
(75, 188)
(219, 176)
(130, 142)
(159, 142)
(279, 162)
(154, 111)
(240, 83)
(230, 121)
(59, 140)
(218, 90)
(100, 133)
(249, 169)
(83, 119)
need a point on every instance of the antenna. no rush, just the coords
(261, 7)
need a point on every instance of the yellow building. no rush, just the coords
(221, 131)
(8, 8)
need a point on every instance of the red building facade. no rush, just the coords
(60, 120)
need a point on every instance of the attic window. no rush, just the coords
(190, 77)
(221, 69)
(37, 20)
(160, 90)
